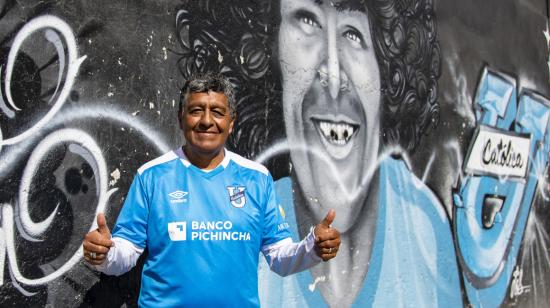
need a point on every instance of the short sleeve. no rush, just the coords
(275, 227)
(131, 223)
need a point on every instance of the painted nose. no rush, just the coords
(334, 78)
(330, 73)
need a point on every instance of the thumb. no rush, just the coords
(102, 225)
(327, 221)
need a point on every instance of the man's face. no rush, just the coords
(331, 103)
(206, 122)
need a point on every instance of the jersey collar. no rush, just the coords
(226, 158)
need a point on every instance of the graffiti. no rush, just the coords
(422, 123)
(73, 63)
(505, 158)
(35, 230)
(517, 288)
(340, 88)
(80, 143)
(87, 181)
(502, 155)
(546, 34)
(487, 255)
(340, 131)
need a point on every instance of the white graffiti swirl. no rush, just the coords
(90, 111)
(277, 148)
(5, 109)
(44, 22)
(17, 215)
(37, 156)
(54, 38)
(7, 234)
(283, 146)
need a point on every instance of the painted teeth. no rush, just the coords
(336, 133)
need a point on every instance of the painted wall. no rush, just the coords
(425, 124)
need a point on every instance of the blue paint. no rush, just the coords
(413, 261)
(488, 255)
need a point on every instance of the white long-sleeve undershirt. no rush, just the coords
(284, 257)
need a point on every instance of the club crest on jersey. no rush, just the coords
(237, 195)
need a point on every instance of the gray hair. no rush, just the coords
(202, 83)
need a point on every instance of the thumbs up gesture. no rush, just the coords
(97, 243)
(327, 239)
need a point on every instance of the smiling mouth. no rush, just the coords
(336, 133)
(205, 132)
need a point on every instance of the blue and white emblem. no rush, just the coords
(237, 195)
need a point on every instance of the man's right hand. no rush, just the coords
(97, 243)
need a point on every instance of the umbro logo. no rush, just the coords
(178, 196)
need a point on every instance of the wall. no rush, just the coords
(423, 123)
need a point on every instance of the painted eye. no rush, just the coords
(307, 21)
(355, 37)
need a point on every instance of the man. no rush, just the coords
(204, 214)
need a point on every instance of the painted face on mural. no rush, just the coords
(331, 104)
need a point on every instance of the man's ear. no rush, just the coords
(233, 119)
(180, 118)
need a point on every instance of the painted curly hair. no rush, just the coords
(238, 38)
(407, 49)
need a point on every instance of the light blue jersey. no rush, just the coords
(202, 230)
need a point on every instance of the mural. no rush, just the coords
(423, 123)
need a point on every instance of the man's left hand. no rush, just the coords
(327, 239)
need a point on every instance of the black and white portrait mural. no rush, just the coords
(424, 123)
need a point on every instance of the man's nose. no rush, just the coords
(330, 72)
(206, 119)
